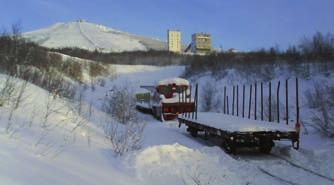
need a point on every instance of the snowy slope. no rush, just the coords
(38, 153)
(91, 36)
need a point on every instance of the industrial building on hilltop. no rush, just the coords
(201, 43)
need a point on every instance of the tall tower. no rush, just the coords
(174, 41)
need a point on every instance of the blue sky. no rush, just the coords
(241, 24)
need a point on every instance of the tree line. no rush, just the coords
(317, 49)
(150, 57)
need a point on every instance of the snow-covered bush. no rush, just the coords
(208, 95)
(124, 137)
(7, 90)
(321, 100)
(96, 69)
(11, 96)
(120, 102)
(314, 98)
(69, 67)
(123, 129)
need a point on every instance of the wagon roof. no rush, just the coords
(176, 81)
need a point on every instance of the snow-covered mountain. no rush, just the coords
(91, 36)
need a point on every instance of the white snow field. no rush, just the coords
(91, 36)
(61, 153)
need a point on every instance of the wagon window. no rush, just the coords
(168, 89)
(165, 89)
(179, 89)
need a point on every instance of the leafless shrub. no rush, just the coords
(102, 82)
(90, 113)
(11, 95)
(18, 98)
(92, 85)
(7, 90)
(198, 181)
(28, 61)
(321, 101)
(50, 79)
(266, 73)
(123, 129)
(324, 121)
(32, 117)
(70, 112)
(208, 93)
(96, 69)
(124, 137)
(80, 113)
(69, 67)
(51, 108)
(120, 102)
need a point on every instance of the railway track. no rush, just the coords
(276, 177)
(318, 177)
(303, 168)
(295, 178)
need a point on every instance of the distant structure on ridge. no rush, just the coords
(174, 41)
(201, 43)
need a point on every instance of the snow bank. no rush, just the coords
(176, 164)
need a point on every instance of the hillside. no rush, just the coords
(91, 36)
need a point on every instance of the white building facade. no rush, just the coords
(174, 41)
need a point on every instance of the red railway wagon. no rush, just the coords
(167, 99)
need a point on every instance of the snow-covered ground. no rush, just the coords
(66, 154)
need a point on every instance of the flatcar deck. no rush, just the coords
(239, 132)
